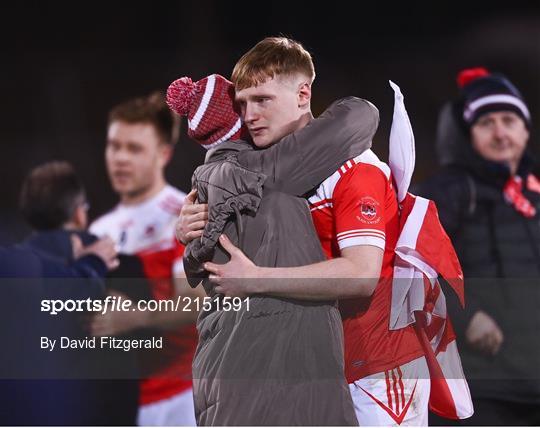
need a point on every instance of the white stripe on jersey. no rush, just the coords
(362, 240)
(326, 188)
(325, 205)
(372, 231)
(371, 158)
(360, 234)
(322, 198)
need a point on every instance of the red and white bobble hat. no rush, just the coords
(209, 107)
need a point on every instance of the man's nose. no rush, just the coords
(250, 113)
(499, 130)
(120, 156)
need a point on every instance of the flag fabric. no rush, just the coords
(423, 253)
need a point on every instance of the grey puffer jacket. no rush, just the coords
(276, 361)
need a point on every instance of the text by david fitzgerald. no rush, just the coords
(102, 342)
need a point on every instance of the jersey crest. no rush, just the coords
(369, 210)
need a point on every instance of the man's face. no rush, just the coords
(135, 157)
(273, 109)
(500, 137)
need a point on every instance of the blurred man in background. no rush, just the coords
(488, 202)
(53, 202)
(140, 140)
(61, 387)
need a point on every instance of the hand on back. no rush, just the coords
(192, 219)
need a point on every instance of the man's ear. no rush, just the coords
(304, 94)
(80, 217)
(166, 153)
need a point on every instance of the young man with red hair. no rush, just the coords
(356, 216)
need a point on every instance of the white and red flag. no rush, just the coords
(423, 253)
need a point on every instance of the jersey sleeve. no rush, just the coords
(359, 207)
(97, 228)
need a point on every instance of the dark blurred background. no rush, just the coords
(64, 66)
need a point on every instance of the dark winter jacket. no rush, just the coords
(63, 386)
(499, 250)
(278, 361)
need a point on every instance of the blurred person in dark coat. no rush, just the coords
(489, 202)
(61, 387)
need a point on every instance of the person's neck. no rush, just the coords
(513, 167)
(139, 198)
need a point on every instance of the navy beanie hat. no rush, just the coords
(483, 92)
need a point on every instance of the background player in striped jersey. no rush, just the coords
(140, 140)
(356, 215)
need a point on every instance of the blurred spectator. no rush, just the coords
(489, 202)
(55, 390)
(140, 141)
(53, 202)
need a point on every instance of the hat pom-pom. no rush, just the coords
(467, 76)
(180, 95)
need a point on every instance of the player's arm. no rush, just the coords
(354, 274)
(359, 215)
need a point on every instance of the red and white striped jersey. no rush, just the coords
(147, 230)
(145, 227)
(357, 205)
